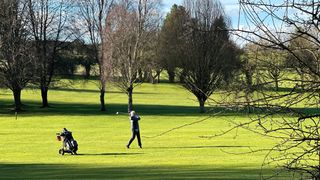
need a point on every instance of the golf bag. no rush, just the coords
(69, 145)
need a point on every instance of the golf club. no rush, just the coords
(121, 113)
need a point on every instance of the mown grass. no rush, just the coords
(29, 150)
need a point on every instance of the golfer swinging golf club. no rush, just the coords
(135, 128)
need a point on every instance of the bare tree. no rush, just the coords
(16, 65)
(210, 58)
(153, 59)
(131, 31)
(249, 65)
(305, 51)
(274, 66)
(277, 25)
(47, 26)
(269, 62)
(89, 59)
(95, 14)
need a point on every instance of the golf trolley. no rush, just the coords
(69, 145)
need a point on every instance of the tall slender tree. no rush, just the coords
(131, 30)
(95, 15)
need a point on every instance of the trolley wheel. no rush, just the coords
(61, 151)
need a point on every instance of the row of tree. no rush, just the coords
(124, 37)
(129, 43)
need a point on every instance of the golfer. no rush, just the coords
(135, 128)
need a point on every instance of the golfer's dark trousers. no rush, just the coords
(134, 134)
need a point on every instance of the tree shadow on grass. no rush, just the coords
(111, 154)
(198, 147)
(81, 109)
(32, 108)
(60, 171)
(97, 91)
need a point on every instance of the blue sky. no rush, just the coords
(231, 7)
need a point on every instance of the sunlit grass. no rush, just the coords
(28, 148)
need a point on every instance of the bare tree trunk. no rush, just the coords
(202, 108)
(277, 84)
(171, 75)
(159, 73)
(102, 93)
(153, 80)
(102, 103)
(202, 100)
(87, 69)
(17, 99)
(147, 76)
(248, 105)
(140, 74)
(182, 76)
(130, 99)
(103, 79)
(156, 79)
(249, 79)
(44, 96)
(103, 82)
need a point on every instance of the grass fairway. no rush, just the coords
(29, 149)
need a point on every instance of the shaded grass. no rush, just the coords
(94, 91)
(31, 108)
(57, 171)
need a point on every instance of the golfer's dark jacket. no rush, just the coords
(134, 123)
